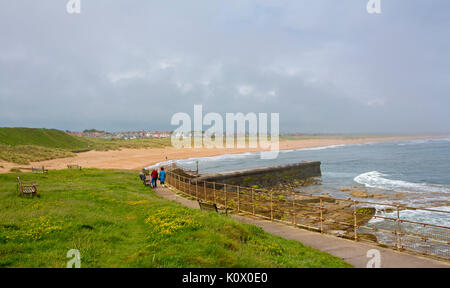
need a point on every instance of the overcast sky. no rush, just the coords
(325, 65)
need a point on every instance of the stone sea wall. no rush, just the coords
(267, 177)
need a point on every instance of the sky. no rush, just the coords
(325, 66)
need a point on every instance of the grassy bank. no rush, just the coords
(114, 221)
(49, 138)
(29, 153)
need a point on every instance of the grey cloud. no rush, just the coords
(324, 65)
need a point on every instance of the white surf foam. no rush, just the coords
(323, 147)
(422, 141)
(376, 179)
(414, 142)
(423, 216)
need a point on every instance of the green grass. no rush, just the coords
(29, 153)
(49, 138)
(114, 221)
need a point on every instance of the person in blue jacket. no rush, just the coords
(162, 176)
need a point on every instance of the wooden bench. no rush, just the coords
(41, 170)
(27, 187)
(74, 166)
(205, 206)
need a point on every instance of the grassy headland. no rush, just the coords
(114, 221)
(49, 138)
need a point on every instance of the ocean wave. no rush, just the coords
(323, 147)
(287, 151)
(376, 179)
(422, 141)
(423, 216)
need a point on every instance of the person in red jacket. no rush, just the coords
(154, 177)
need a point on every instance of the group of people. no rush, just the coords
(155, 176)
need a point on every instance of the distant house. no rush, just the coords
(161, 134)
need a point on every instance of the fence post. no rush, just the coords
(253, 200)
(271, 205)
(196, 189)
(293, 208)
(295, 214)
(238, 198)
(204, 189)
(189, 186)
(226, 198)
(321, 215)
(214, 192)
(355, 222)
(397, 230)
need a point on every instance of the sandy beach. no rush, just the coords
(132, 159)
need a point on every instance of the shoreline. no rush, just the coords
(136, 159)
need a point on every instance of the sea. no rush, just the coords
(415, 173)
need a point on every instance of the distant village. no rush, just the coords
(92, 133)
(141, 134)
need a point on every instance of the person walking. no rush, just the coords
(154, 178)
(162, 176)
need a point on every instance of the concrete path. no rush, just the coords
(352, 252)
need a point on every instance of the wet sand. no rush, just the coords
(136, 159)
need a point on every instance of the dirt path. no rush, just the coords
(352, 252)
(133, 159)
